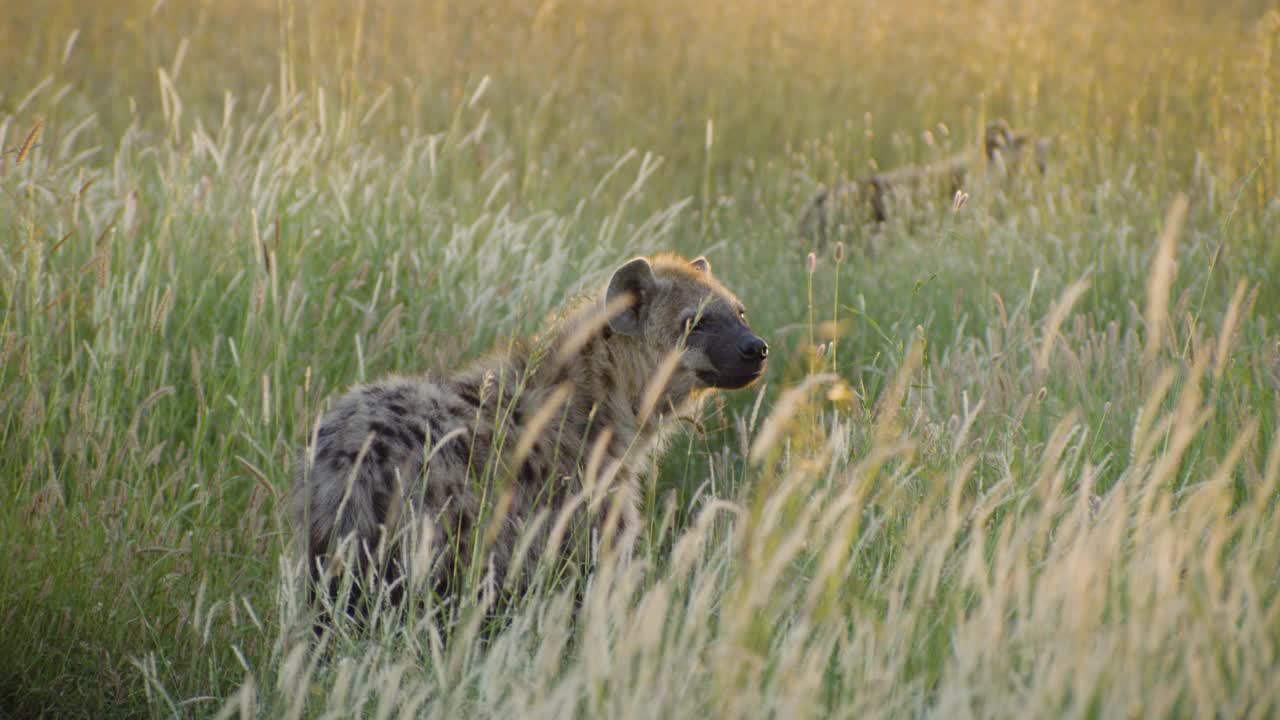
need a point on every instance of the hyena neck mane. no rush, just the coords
(611, 371)
(590, 379)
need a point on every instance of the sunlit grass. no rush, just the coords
(1034, 471)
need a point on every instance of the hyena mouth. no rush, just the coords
(735, 381)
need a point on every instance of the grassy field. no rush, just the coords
(1014, 459)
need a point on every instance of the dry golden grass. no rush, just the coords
(1016, 455)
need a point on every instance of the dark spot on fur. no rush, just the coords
(317, 547)
(561, 375)
(404, 435)
(379, 451)
(381, 502)
(530, 472)
(419, 435)
(470, 393)
(598, 423)
(398, 409)
(459, 450)
(475, 455)
(437, 432)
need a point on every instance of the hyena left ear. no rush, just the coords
(701, 264)
(998, 136)
(635, 279)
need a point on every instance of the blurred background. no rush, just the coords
(582, 80)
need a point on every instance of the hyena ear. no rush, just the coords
(701, 264)
(998, 136)
(636, 280)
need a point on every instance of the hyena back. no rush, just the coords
(474, 457)
(1002, 153)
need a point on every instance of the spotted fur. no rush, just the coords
(477, 454)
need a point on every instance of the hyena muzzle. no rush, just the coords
(431, 482)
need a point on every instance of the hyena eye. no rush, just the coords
(742, 314)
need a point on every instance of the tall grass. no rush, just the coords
(1032, 469)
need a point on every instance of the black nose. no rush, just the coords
(753, 349)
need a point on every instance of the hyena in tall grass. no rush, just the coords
(1002, 154)
(485, 462)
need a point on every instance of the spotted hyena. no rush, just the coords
(1003, 152)
(488, 458)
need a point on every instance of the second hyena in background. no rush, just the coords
(1003, 151)
(572, 416)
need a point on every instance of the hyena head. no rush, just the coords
(1000, 138)
(676, 305)
(1006, 147)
